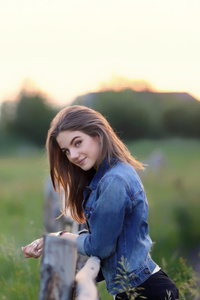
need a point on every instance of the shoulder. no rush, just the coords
(124, 171)
(125, 175)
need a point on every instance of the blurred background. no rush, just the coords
(138, 63)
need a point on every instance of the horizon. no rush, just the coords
(136, 86)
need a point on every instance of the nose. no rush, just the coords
(74, 153)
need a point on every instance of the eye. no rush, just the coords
(78, 143)
(66, 151)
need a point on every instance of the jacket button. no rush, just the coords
(146, 271)
(87, 215)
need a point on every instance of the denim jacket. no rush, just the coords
(116, 209)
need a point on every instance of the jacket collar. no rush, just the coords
(103, 168)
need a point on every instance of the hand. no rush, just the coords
(34, 249)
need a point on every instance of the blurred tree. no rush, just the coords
(127, 116)
(7, 120)
(183, 120)
(33, 117)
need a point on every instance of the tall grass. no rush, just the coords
(172, 190)
(21, 221)
(19, 277)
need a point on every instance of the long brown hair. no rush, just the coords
(67, 175)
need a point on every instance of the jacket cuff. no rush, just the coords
(80, 243)
(84, 230)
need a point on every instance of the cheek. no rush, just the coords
(97, 149)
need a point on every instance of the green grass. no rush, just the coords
(173, 193)
(172, 190)
(21, 200)
(22, 180)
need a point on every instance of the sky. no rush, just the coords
(68, 48)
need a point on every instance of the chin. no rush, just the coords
(86, 168)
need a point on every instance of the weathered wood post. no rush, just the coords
(57, 269)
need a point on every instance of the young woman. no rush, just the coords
(102, 188)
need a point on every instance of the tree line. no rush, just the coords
(27, 118)
(133, 115)
(138, 115)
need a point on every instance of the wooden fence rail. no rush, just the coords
(58, 272)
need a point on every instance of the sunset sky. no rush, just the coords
(67, 48)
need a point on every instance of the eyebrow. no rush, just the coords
(71, 141)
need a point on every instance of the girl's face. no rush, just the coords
(81, 149)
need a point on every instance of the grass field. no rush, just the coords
(172, 188)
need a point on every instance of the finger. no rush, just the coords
(32, 253)
(35, 249)
(34, 244)
(40, 244)
(31, 250)
(26, 254)
(36, 254)
(38, 241)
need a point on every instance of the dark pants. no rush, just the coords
(157, 287)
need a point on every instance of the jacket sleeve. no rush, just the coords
(107, 219)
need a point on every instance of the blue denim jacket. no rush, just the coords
(116, 210)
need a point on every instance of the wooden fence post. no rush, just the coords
(57, 269)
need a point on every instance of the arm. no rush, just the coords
(107, 219)
(35, 249)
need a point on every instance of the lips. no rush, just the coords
(80, 162)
